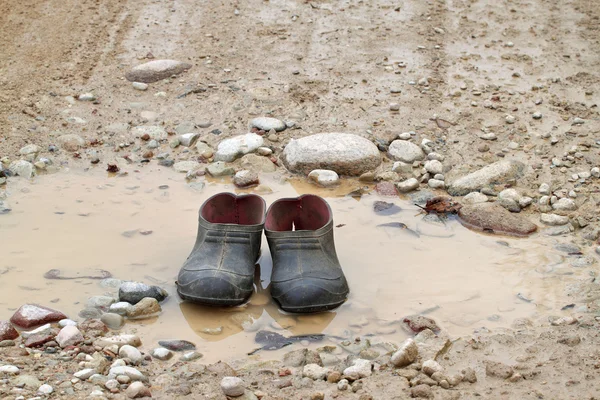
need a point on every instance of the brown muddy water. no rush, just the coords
(81, 222)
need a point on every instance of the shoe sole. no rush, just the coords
(313, 308)
(207, 301)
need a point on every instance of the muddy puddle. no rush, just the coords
(142, 226)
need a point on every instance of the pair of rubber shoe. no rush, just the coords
(307, 276)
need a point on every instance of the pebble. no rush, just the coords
(360, 369)
(131, 372)
(29, 149)
(264, 151)
(156, 70)
(118, 340)
(121, 308)
(177, 345)
(314, 372)
(133, 292)
(421, 391)
(408, 185)
(9, 369)
(232, 386)
(130, 352)
(218, 169)
(405, 136)
(188, 139)
(191, 356)
(394, 107)
(267, 123)
(84, 373)
(22, 168)
(69, 336)
(7, 331)
(113, 321)
(186, 166)
(430, 367)
(406, 355)
(145, 308)
(475, 198)
(344, 153)
(544, 189)
(408, 152)
(153, 132)
(137, 390)
(140, 86)
(488, 136)
(45, 389)
(86, 97)
(510, 119)
(537, 115)
(233, 148)
(162, 354)
(434, 167)
(436, 184)
(343, 384)
(245, 178)
(324, 177)
(565, 204)
(553, 219)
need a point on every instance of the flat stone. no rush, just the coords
(245, 178)
(85, 373)
(153, 132)
(69, 336)
(344, 153)
(360, 369)
(156, 70)
(177, 345)
(553, 219)
(130, 372)
(493, 218)
(191, 356)
(22, 168)
(133, 292)
(188, 139)
(267, 123)
(145, 308)
(219, 168)
(32, 315)
(9, 369)
(258, 163)
(324, 177)
(496, 173)
(186, 166)
(119, 340)
(314, 372)
(405, 151)
(565, 204)
(7, 331)
(29, 149)
(120, 308)
(38, 339)
(233, 148)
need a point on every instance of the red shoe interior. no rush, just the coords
(307, 212)
(226, 208)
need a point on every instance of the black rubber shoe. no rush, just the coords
(220, 269)
(307, 276)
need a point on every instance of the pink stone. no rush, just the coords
(32, 315)
(386, 189)
(39, 339)
(7, 332)
(69, 336)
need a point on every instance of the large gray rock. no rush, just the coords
(496, 173)
(402, 150)
(156, 70)
(231, 149)
(133, 292)
(343, 153)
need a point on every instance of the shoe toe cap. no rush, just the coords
(311, 296)
(213, 287)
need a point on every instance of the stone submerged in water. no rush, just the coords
(156, 70)
(32, 315)
(344, 153)
(498, 172)
(133, 292)
(494, 218)
(177, 345)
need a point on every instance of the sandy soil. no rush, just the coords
(460, 67)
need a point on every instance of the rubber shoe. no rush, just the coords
(307, 276)
(220, 269)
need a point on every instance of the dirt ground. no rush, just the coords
(458, 70)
